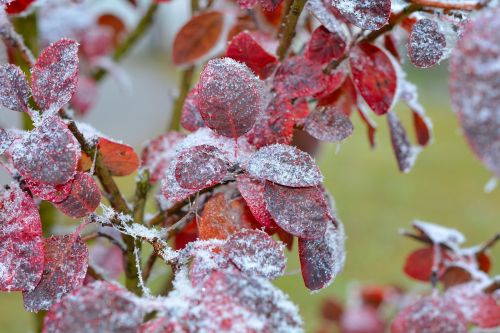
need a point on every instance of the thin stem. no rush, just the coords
(148, 267)
(490, 243)
(449, 5)
(289, 27)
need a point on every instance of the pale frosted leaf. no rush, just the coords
(14, 91)
(426, 44)
(366, 14)
(328, 124)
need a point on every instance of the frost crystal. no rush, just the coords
(426, 44)
(366, 14)
(14, 91)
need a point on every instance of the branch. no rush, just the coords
(290, 23)
(449, 5)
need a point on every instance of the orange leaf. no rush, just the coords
(119, 158)
(198, 36)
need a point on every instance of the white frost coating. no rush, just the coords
(325, 17)
(285, 165)
(439, 234)
(366, 14)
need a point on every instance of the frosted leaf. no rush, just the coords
(83, 199)
(190, 115)
(301, 212)
(366, 14)
(475, 86)
(21, 243)
(158, 153)
(230, 97)
(374, 76)
(322, 259)
(170, 188)
(55, 74)
(325, 46)
(256, 253)
(328, 124)
(6, 139)
(426, 44)
(65, 265)
(120, 159)
(252, 190)
(299, 77)
(96, 307)
(52, 193)
(14, 91)
(405, 153)
(48, 154)
(207, 258)
(430, 314)
(440, 235)
(245, 4)
(422, 123)
(324, 15)
(285, 165)
(200, 167)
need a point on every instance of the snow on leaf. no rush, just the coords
(14, 92)
(299, 77)
(245, 4)
(475, 88)
(430, 314)
(190, 116)
(48, 154)
(83, 199)
(207, 258)
(322, 12)
(52, 193)
(21, 243)
(322, 259)
(325, 46)
(328, 124)
(403, 150)
(255, 253)
(230, 97)
(374, 76)
(301, 212)
(64, 269)
(285, 165)
(252, 190)
(426, 44)
(119, 158)
(158, 153)
(440, 235)
(6, 139)
(55, 74)
(97, 307)
(366, 14)
(200, 167)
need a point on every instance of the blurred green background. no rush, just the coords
(373, 200)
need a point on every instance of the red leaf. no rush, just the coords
(52, 193)
(322, 259)
(328, 124)
(190, 116)
(325, 46)
(255, 253)
(83, 199)
(366, 14)
(245, 48)
(270, 5)
(405, 153)
(159, 152)
(475, 88)
(285, 165)
(455, 275)
(97, 307)
(187, 235)
(85, 96)
(14, 92)
(18, 6)
(419, 263)
(65, 266)
(299, 77)
(201, 167)
(119, 158)
(422, 129)
(252, 190)
(374, 76)
(430, 314)
(426, 44)
(55, 74)
(49, 154)
(301, 212)
(21, 243)
(230, 97)
(197, 37)
(422, 124)
(371, 128)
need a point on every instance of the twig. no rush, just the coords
(291, 20)
(490, 243)
(148, 267)
(449, 5)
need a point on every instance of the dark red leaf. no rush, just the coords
(299, 77)
(371, 128)
(328, 124)
(55, 74)
(14, 92)
(302, 211)
(83, 199)
(405, 153)
(285, 165)
(252, 190)
(159, 152)
(190, 116)
(65, 265)
(188, 234)
(200, 167)
(230, 97)
(366, 14)
(322, 259)
(325, 46)
(426, 44)
(332, 310)
(97, 307)
(454, 275)
(18, 6)
(422, 129)
(419, 264)
(197, 37)
(52, 193)
(21, 243)
(119, 158)
(48, 154)
(374, 76)
(391, 46)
